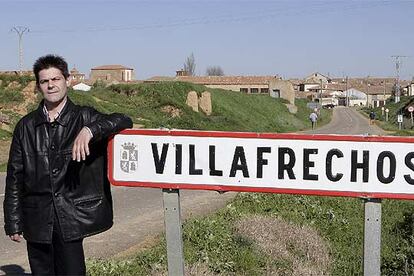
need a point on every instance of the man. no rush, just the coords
(313, 117)
(372, 118)
(57, 191)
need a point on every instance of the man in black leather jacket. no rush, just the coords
(57, 190)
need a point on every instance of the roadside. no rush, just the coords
(4, 151)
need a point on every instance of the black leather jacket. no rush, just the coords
(41, 175)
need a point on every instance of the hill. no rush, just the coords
(162, 105)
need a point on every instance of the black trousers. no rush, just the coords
(57, 258)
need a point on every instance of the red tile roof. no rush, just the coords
(111, 67)
(227, 80)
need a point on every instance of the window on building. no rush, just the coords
(275, 93)
(244, 90)
(254, 90)
(264, 90)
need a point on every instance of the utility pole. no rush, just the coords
(347, 92)
(397, 78)
(367, 81)
(320, 93)
(20, 30)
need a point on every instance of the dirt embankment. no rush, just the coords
(4, 150)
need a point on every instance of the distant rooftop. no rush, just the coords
(112, 67)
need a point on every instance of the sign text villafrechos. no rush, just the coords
(360, 166)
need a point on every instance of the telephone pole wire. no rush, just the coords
(20, 30)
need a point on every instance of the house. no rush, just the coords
(82, 87)
(307, 86)
(318, 78)
(314, 80)
(355, 97)
(76, 75)
(273, 86)
(109, 73)
(410, 88)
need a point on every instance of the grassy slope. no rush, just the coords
(213, 241)
(232, 111)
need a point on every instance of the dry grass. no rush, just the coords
(172, 111)
(197, 269)
(301, 247)
(4, 150)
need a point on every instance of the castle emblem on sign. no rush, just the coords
(129, 157)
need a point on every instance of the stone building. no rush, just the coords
(76, 76)
(273, 86)
(111, 73)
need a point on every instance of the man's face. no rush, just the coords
(53, 85)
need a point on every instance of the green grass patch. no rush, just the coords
(10, 97)
(392, 124)
(4, 134)
(213, 241)
(23, 81)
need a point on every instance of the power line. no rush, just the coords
(398, 63)
(251, 16)
(20, 30)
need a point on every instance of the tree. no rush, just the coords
(189, 65)
(214, 71)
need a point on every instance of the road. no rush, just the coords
(139, 214)
(348, 121)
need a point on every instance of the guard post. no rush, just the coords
(173, 231)
(372, 237)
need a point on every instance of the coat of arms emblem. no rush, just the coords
(129, 157)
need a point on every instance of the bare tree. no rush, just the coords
(189, 65)
(214, 71)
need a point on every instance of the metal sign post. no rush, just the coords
(173, 231)
(411, 109)
(400, 121)
(372, 237)
(412, 121)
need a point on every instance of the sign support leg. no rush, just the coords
(173, 231)
(372, 237)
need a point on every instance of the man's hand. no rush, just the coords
(16, 237)
(81, 145)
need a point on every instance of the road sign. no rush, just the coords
(410, 108)
(399, 118)
(357, 166)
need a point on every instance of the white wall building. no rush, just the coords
(81, 87)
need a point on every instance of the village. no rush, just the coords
(324, 90)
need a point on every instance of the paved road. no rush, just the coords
(139, 213)
(348, 121)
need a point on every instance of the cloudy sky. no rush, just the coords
(287, 38)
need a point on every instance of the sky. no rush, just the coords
(291, 39)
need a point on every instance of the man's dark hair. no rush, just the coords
(48, 61)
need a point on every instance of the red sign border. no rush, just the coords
(224, 134)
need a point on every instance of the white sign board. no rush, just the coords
(399, 118)
(359, 166)
(410, 108)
